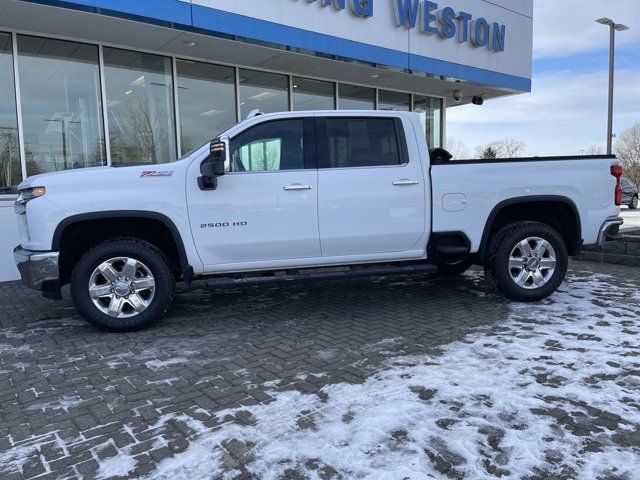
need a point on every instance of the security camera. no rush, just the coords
(457, 96)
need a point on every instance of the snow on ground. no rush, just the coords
(552, 390)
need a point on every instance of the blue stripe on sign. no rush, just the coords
(470, 74)
(167, 13)
(209, 21)
(234, 25)
(231, 25)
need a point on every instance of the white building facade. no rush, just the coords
(113, 82)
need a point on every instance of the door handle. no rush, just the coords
(297, 186)
(405, 181)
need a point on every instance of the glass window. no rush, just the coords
(269, 146)
(388, 100)
(140, 107)
(206, 101)
(267, 92)
(430, 115)
(312, 94)
(61, 106)
(352, 97)
(10, 169)
(360, 142)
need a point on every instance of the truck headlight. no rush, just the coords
(28, 194)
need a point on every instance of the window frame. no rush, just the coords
(309, 157)
(322, 141)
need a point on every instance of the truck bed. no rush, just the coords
(465, 192)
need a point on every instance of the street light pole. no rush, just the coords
(612, 40)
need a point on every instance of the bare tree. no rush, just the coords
(628, 151)
(508, 148)
(10, 172)
(144, 136)
(594, 150)
(512, 148)
(458, 149)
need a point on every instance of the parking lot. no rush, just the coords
(631, 218)
(424, 377)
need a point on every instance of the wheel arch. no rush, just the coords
(534, 208)
(138, 218)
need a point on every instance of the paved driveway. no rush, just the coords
(426, 377)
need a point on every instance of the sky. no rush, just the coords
(566, 111)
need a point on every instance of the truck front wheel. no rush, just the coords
(527, 261)
(122, 285)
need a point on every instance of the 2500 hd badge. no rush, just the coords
(223, 224)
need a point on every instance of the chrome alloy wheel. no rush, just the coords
(532, 263)
(122, 287)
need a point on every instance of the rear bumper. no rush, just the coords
(609, 229)
(39, 270)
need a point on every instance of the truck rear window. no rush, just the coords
(359, 142)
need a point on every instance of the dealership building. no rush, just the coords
(110, 82)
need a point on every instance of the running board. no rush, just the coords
(350, 273)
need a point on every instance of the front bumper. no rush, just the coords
(609, 229)
(39, 270)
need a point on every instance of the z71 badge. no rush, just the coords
(156, 173)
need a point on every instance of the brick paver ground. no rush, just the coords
(72, 397)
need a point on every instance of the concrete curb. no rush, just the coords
(621, 252)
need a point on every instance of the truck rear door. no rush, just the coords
(371, 193)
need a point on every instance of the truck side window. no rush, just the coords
(359, 142)
(269, 146)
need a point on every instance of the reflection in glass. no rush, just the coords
(10, 170)
(270, 146)
(60, 102)
(352, 97)
(206, 101)
(140, 107)
(312, 94)
(430, 110)
(267, 92)
(388, 100)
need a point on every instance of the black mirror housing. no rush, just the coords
(439, 156)
(214, 166)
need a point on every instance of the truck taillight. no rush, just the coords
(616, 171)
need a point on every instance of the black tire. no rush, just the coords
(633, 204)
(152, 258)
(498, 273)
(456, 268)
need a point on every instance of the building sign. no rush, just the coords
(433, 19)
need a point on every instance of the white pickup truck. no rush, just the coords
(282, 195)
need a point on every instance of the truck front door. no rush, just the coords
(265, 207)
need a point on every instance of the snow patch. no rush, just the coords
(157, 365)
(118, 466)
(506, 401)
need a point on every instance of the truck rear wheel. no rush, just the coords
(526, 261)
(122, 285)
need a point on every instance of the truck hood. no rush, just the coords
(81, 177)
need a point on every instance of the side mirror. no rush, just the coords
(214, 166)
